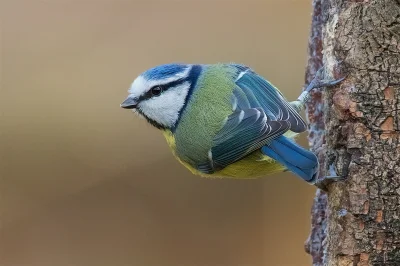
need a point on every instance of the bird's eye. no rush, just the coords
(156, 90)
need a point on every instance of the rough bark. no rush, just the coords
(355, 131)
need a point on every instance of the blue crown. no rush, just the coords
(163, 71)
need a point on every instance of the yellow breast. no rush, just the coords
(255, 165)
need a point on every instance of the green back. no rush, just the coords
(209, 106)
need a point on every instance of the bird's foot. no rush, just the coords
(319, 82)
(323, 182)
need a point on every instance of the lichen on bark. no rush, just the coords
(357, 132)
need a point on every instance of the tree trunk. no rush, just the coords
(355, 131)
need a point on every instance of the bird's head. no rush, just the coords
(160, 93)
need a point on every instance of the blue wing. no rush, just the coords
(260, 115)
(253, 91)
(243, 132)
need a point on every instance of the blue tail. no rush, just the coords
(296, 159)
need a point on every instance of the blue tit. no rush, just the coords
(225, 120)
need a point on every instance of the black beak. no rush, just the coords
(129, 103)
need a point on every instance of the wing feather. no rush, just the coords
(260, 114)
(262, 93)
(244, 132)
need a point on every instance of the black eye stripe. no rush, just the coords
(149, 94)
(153, 92)
(157, 90)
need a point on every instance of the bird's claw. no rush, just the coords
(328, 83)
(320, 73)
(318, 82)
(323, 182)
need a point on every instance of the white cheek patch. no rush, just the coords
(164, 109)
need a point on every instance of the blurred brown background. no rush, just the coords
(84, 182)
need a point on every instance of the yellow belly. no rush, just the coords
(255, 165)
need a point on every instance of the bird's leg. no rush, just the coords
(317, 82)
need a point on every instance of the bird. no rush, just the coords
(225, 120)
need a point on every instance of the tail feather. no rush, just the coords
(302, 162)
